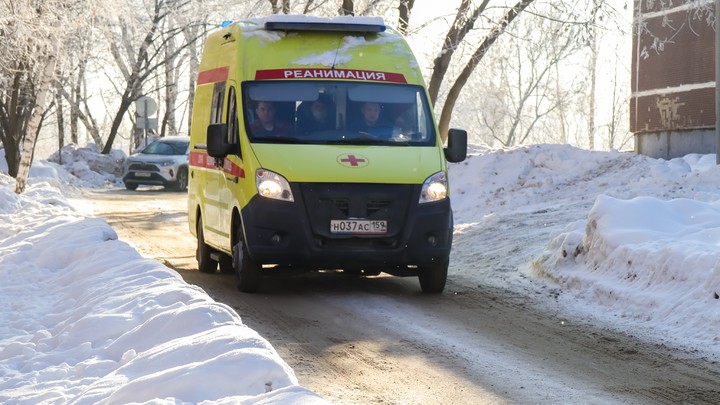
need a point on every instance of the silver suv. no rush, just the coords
(163, 162)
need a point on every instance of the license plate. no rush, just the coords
(358, 227)
(142, 174)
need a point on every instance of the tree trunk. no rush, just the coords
(192, 77)
(462, 79)
(347, 8)
(60, 123)
(85, 117)
(125, 103)
(591, 97)
(462, 25)
(77, 98)
(283, 7)
(12, 155)
(561, 108)
(34, 123)
(171, 88)
(16, 114)
(404, 11)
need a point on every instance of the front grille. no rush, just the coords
(325, 202)
(144, 167)
(342, 204)
(374, 206)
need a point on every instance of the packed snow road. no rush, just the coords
(380, 340)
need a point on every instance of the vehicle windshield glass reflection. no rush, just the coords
(326, 112)
(166, 148)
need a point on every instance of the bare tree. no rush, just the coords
(138, 61)
(464, 22)
(480, 51)
(617, 138)
(72, 83)
(32, 33)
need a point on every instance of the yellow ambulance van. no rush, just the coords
(314, 147)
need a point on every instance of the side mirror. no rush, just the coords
(217, 145)
(456, 150)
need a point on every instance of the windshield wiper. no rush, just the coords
(360, 140)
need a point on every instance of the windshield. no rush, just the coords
(167, 148)
(337, 113)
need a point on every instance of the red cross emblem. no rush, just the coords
(352, 160)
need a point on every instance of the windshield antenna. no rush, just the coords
(336, 55)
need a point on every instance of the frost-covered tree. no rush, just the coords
(31, 38)
(530, 92)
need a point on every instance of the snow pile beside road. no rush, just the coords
(81, 167)
(651, 260)
(648, 263)
(89, 165)
(87, 319)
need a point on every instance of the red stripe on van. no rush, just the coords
(324, 73)
(213, 75)
(202, 160)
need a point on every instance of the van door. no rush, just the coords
(233, 170)
(213, 178)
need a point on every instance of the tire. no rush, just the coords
(182, 180)
(226, 264)
(433, 277)
(131, 187)
(246, 269)
(206, 264)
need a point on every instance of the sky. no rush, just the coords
(621, 240)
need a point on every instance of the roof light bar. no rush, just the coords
(341, 24)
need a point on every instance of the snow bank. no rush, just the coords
(87, 320)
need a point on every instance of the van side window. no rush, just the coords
(217, 103)
(232, 121)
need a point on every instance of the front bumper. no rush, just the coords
(151, 174)
(298, 233)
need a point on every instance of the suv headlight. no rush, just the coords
(434, 189)
(272, 185)
(168, 162)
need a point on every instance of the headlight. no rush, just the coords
(434, 189)
(167, 162)
(273, 185)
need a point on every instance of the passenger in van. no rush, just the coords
(372, 123)
(265, 122)
(316, 116)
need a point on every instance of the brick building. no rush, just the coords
(672, 106)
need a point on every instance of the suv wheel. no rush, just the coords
(182, 180)
(131, 186)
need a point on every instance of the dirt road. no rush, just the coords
(381, 341)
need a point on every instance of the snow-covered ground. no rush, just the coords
(626, 240)
(86, 319)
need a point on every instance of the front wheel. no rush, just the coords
(246, 269)
(182, 180)
(206, 263)
(433, 277)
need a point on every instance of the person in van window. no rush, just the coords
(318, 117)
(265, 122)
(372, 123)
